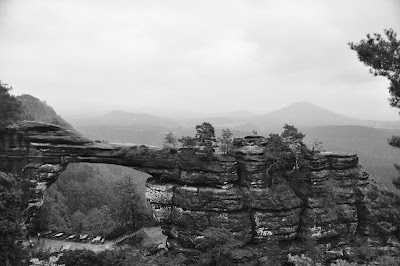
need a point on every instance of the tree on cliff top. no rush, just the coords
(10, 107)
(286, 147)
(225, 140)
(205, 135)
(170, 139)
(293, 138)
(188, 142)
(204, 139)
(382, 55)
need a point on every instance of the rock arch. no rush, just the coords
(189, 194)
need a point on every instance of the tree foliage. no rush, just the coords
(225, 140)
(170, 139)
(83, 200)
(205, 135)
(394, 141)
(78, 222)
(382, 55)
(10, 107)
(188, 142)
(36, 110)
(80, 257)
(276, 146)
(51, 261)
(396, 180)
(317, 146)
(129, 205)
(10, 221)
(286, 147)
(292, 135)
(100, 221)
(125, 257)
(203, 141)
(218, 244)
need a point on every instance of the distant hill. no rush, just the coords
(129, 119)
(38, 110)
(304, 114)
(139, 128)
(234, 114)
(119, 126)
(369, 143)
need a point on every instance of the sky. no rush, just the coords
(94, 56)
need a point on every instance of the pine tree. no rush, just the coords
(382, 55)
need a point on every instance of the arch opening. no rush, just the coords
(97, 200)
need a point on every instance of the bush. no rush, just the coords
(218, 246)
(343, 263)
(127, 258)
(81, 257)
(394, 141)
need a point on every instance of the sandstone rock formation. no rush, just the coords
(326, 203)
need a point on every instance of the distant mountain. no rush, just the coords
(369, 143)
(127, 118)
(139, 128)
(305, 114)
(119, 126)
(234, 114)
(38, 110)
(214, 120)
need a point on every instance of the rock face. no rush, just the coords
(327, 203)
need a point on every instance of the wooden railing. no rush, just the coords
(122, 238)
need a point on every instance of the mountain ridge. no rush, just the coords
(306, 114)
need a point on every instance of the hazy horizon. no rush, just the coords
(180, 115)
(92, 57)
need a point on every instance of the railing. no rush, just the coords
(122, 238)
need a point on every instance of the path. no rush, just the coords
(57, 245)
(153, 237)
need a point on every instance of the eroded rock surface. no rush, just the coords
(327, 203)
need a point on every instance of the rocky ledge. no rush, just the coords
(329, 202)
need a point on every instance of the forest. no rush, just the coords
(88, 199)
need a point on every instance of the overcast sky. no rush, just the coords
(197, 56)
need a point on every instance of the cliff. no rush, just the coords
(37, 110)
(330, 203)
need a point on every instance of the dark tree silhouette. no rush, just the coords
(10, 107)
(11, 219)
(382, 55)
